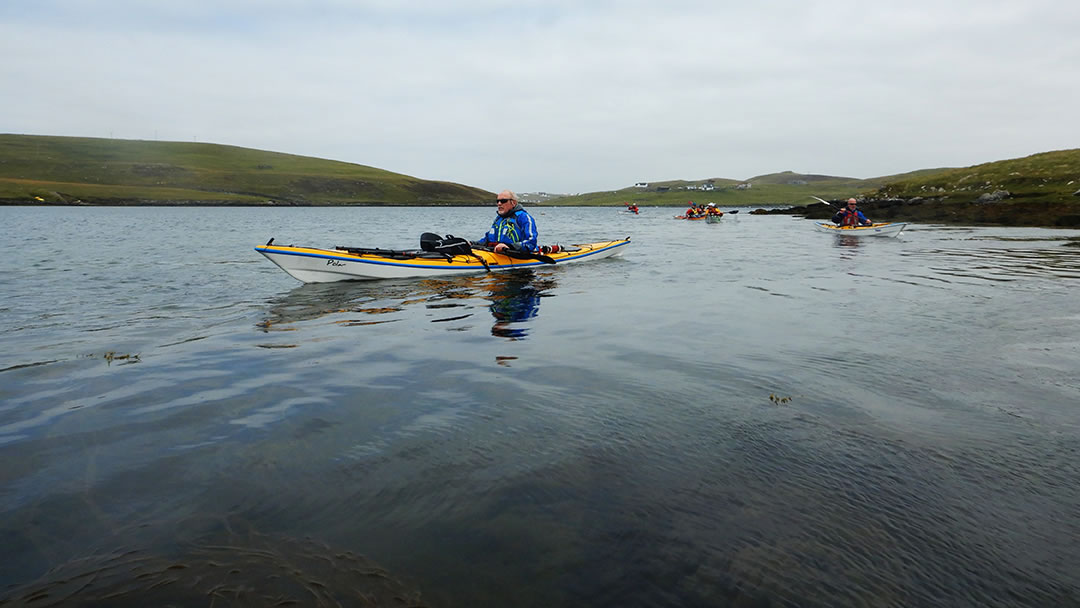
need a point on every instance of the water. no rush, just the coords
(748, 413)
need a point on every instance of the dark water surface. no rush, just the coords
(747, 413)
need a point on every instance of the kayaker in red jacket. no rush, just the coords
(850, 216)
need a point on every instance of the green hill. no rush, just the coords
(1041, 189)
(73, 170)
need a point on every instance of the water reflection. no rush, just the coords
(846, 240)
(312, 301)
(515, 299)
(512, 297)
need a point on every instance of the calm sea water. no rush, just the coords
(748, 413)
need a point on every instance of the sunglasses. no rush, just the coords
(500, 201)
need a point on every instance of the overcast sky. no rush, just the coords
(557, 95)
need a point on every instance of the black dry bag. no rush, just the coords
(448, 245)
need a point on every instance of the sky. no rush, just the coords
(559, 96)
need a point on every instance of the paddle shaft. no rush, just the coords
(520, 255)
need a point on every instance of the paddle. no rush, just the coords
(520, 255)
(822, 200)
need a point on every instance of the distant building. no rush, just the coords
(641, 185)
(662, 188)
(743, 186)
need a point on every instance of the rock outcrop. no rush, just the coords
(998, 208)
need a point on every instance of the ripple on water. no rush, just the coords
(234, 565)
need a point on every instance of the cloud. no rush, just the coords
(552, 95)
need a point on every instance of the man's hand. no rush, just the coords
(500, 247)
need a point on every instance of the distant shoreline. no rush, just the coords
(10, 203)
(1010, 213)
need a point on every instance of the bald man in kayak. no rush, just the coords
(850, 216)
(513, 228)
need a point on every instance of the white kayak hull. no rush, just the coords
(313, 265)
(883, 229)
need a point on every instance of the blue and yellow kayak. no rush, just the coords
(314, 265)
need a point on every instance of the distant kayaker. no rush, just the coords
(513, 227)
(850, 216)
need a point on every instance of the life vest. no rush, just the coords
(518, 227)
(851, 218)
(506, 229)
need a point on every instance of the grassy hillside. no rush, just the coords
(785, 188)
(72, 170)
(1049, 177)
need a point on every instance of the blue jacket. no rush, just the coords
(517, 229)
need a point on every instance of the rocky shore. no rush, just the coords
(997, 208)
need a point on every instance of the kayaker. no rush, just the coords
(850, 216)
(513, 227)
